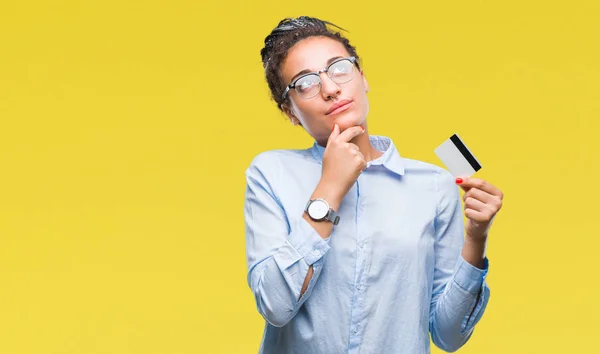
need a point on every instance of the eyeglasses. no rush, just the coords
(309, 85)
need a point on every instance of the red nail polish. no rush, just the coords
(459, 180)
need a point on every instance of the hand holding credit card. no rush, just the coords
(482, 200)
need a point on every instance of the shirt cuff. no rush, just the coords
(307, 242)
(470, 277)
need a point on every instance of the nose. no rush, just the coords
(328, 87)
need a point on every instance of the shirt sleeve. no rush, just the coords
(460, 292)
(280, 249)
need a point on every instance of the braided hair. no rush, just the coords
(288, 32)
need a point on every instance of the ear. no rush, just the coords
(365, 82)
(290, 114)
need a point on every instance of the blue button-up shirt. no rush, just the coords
(390, 273)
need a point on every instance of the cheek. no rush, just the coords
(361, 96)
(305, 112)
(309, 115)
(360, 88)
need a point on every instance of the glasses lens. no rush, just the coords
(308, 86)
(341, 71)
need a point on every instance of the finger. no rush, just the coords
(334, 133)
(485, 211)
(474, 204)
(361, 161)
(483, 196)
(469, 183)
(352, 146)
(478, 216)
(350, 133)
(461, 181)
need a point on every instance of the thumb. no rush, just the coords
(460, 181)
(334, 134)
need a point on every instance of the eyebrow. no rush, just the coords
(306, 71)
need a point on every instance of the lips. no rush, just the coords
(338, 106)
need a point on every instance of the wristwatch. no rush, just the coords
(319, 210)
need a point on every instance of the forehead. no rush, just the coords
(311, 54)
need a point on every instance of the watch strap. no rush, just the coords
(333, 217)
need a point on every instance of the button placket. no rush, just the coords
(358, 310)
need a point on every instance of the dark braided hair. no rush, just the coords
(287, 33)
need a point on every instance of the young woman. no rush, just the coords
(352, 248)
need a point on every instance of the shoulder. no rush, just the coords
(432, 174)
(282, 155)
(274, 157)
(273, 162)
(423, 168)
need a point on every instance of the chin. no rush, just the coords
(349, 120)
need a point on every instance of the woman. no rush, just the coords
(350, 247)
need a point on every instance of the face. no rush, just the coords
(314, 114)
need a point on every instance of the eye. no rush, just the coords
(340, 68)
(308, 82)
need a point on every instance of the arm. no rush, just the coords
(324, 229)
(285, 255)
(460, 293)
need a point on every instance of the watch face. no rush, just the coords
(318, 209)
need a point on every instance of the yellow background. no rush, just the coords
(126, 127)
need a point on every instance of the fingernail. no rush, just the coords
(459, 180)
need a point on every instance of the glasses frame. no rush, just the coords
(353, 60)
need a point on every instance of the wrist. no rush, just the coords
(330, 193)
(476, 241)
(474, 252)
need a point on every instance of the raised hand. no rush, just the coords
(482, 201)
(342, 160)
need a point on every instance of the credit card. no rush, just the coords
(455, 155)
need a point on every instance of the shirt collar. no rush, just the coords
(390, 159)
